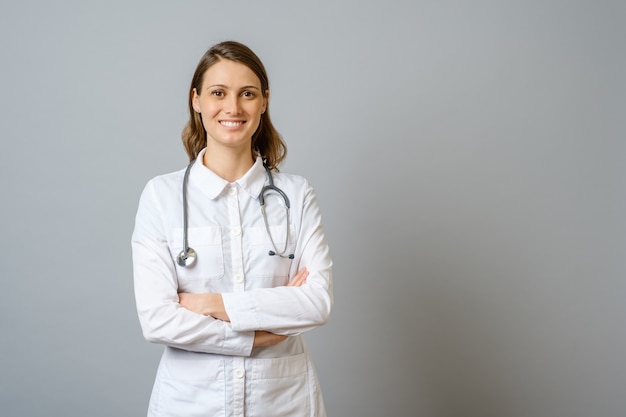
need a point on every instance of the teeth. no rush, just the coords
(231, 124)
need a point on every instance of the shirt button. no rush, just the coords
(239, 278)
(232, 191)
(239, 373)
(236, 231)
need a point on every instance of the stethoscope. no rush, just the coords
(187, 257)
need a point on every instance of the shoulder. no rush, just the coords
(164, 185)
(169, 180)
(291, 179)
(297, 187)
(294, 184)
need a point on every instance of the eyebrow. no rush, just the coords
(242, 88)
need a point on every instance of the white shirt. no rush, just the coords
(209, 367)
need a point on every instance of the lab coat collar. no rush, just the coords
(213, 185)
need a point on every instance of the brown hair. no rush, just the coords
(266, 141)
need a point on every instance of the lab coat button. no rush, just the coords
(239, 278)
(237, 231)
(232, 191)
(239, 373)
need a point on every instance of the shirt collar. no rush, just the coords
(213, 185)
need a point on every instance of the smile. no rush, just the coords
(231, 124)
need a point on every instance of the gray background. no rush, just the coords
(469, 159)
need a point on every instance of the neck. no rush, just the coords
(228, 164)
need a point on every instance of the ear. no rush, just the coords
(195, 100)
(266, 99)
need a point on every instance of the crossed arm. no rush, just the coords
(227, 323)
(212, 304)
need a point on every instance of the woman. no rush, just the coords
(230, 303)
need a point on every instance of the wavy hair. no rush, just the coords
(266, 141)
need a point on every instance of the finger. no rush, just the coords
(295, 280)
(300, 278)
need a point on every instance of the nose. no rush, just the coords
(232, 105)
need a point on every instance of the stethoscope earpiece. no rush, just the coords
(272, 253)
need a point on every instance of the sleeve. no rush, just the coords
(291, 310)
(163, 320)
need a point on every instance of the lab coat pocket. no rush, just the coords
(280, 385)
(273, 269)
(207, 243)
(190, 388)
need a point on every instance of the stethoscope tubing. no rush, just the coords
(187, 257)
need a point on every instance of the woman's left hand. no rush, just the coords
(299, 279)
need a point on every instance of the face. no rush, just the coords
(230, 103)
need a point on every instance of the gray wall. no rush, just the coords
(470, 162)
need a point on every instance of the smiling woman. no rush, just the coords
(230, 312)
(227, 71)
(230, 103)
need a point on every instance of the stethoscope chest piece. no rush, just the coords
(187, 258)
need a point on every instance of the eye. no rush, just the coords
(217, 93)
(248, 94)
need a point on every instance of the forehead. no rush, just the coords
(230, 74)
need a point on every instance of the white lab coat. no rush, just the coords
(209, 367)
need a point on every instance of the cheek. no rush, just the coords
(208, 109)
(256, 121)
(256, 110)
(207, 119)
